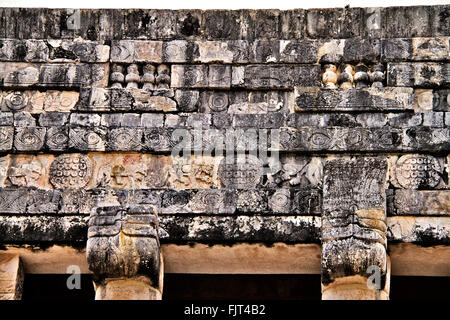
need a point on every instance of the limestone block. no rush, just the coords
(189, 76)
(214, 51)
(118, 171)
(264, 51)
(427, 75)
(187, 100)
(366, 50)
(43, 201)
(13, 201)
(421, 202)
(77, 51)
(53, 119)
(317, 99)
(29, 171)
(57, 138)
(354, 221)
(407, 22)
(29, 139)
(441, 100)
(6, 138)
(346, 23)
(299, 51)
(128, 51)
(124, 139)
(87, 139)
(423, 230)
(11, 277)
(416, 171)
(275, 76)
(193, 172)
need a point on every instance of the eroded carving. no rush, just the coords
(70, 171)
(417, 171)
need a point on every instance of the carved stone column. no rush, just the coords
(11, 277)
(354, 259)
(123, 252)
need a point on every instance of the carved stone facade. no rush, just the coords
(315, 127)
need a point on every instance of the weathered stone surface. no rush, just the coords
(333, 23)
(16, 74)
(6, 138)
(339, 138)
(426, 75)
(87, 139)
(125, 139)
(11, 277)
(353, 220)
(422, 230)
(13, 201)
(123, 243)
(441, 100)
(409, 202)
(127, 51)
(242, 173)
(275, 76)
(416, 171)
(43, 201)
(29, 139)
(317, 99)
(189, 76)
(187, 100)
(70, 171)
(57, 138)
(407, 22)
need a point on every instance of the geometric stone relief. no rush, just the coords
(193, 172)
(240, 173)
(417, 171)
(70, 171)
(6, 138)
(29, 139)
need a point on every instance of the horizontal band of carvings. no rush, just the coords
(418, 75)
(157, 139)
(301, 229)
(304, 100)
(15, 50)
(407, 202)
(253, 76)
(19, 74)
(109, 24)
(320, 99)
(227, 51)
(132, 171)
(30, 201)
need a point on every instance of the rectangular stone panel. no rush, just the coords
(426, 75)
(11, 277)
(415, 49)
(16, 74)
(317, 99)
(409, 202)
(276, 76)
(129, 51)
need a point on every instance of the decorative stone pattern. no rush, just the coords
(327, 126)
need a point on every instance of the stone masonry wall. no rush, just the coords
(94, 104)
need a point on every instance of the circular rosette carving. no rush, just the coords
(417, 171)
(70, 171)
(16, 100)
(241, 174)
(280, 201)
(218, 101)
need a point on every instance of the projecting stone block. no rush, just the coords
(421, 203)
(317, 99)
(11, 277)
(425, 231)
(13, 201)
